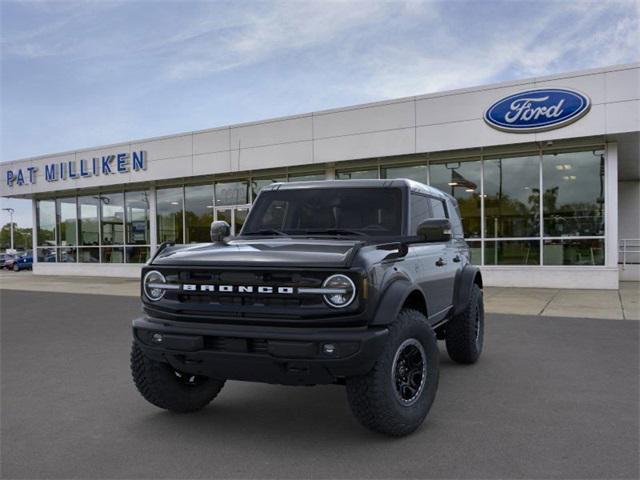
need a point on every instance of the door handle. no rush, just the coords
(457, 258)
(440, 262)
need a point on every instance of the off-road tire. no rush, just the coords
(160, 386)
(373, 398)
(464, 342)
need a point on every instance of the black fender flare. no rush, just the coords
(391, 301)
(469, 275)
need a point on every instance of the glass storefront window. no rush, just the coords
(232, 193)
(239, 217)
(307, 177)
(169, 208)
(462, 181)
(137, 254)
(573, 198)
(46, 218)
(573, 252)
(137, 218)
(512, 252)
(198, 212)
(258, 184)
(475, 251)
(112, 255)
(512, 197)
(67, 221)
(67, 255)
(413, 172)
(369, 173)
(89, 255)
(115, 228)
(112, 218)
(47, 254)
(88, 227)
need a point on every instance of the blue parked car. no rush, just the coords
(23, 262)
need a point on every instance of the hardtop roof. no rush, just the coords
(364, 183)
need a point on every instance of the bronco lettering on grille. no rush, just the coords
(192, 287)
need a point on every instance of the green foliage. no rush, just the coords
(21, 237)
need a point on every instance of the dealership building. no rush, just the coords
(546, 172)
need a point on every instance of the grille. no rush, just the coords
(252, 301)
(227, 307)
(301, 279)
(242, 345)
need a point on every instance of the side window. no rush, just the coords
(439, 210)
(420, 211)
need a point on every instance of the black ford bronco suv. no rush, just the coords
(348, 282)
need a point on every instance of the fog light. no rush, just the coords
(156, 338)
(329, 348)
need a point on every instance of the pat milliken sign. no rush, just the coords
(105, 165)
(537, 110)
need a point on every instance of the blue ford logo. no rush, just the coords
(537, 110)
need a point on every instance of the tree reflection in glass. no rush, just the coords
(573, 198)
(198, 212)
(461, 180)
(169, 214)
(512, 197)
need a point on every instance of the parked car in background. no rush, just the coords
(23, 262)
(7, 260)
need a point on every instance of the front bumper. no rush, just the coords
(290, 356)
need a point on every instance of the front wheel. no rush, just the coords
(396, 395)
(16, 268)
(166, 388)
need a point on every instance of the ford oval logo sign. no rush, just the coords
(537, 110)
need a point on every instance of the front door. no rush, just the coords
(433, 264)
(430, 263)
(235, 216)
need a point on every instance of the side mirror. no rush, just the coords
(219, 230)
(435, 230)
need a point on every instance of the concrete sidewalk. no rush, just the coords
(623, 304)
(620, 304)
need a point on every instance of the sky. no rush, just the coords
(87, 73)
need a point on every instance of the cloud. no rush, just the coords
(287, 26)
(524, 47)
(402, 48)
(52, 27)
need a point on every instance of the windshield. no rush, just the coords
(324, 211)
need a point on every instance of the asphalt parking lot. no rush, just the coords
(550, 398)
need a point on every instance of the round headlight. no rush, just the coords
(150, 285)
(343, 290)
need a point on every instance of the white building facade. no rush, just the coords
(546, 172)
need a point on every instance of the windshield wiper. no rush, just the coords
(336, 231)
(267, 231)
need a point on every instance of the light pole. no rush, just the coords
(11, 212)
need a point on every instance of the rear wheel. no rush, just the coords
(464, 334)
(165, 387)
(396, 395)
(16, 268)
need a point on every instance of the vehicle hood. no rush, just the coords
(287, 252)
